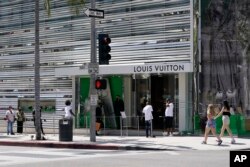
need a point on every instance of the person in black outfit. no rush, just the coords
(20, 120)
(225, 112)
(118, 106)
(34, 119)
(99, 116)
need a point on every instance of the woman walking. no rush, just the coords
(210, 124)
(225, 112)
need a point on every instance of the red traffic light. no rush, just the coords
(100, 84)
(106, 40)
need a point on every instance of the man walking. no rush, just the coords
(10, 117)
(147, 110)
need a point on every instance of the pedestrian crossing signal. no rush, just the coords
(100, 84)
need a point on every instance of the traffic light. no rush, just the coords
(104, 48)
(100, 84)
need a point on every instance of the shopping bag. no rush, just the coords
(97, 126)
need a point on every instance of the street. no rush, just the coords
(11, 156)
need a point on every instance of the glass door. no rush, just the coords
(164, 87)
(156, 88)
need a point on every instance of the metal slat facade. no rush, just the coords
(149, 31)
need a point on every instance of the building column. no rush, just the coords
(74, 99)
(127, 91)
(183, 102)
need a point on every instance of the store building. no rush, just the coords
(152, 57)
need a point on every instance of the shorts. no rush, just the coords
(226, 119)
(169, 122)
(211, 124)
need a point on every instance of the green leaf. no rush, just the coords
(74, 5)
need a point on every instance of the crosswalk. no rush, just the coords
(16, 156)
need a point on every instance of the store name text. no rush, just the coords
(159, 68)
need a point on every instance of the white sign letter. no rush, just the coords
(237, 158)
(243, 157)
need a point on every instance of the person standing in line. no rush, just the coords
(169, 116)
(118, 106)
(225, 112)
(10, 118)
(41, 122)
(68, 110)
(210, 125)
(147, 110)
(20, 120)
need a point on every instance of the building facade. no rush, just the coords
(152, 52)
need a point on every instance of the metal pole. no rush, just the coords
(92, 76)
(121, 125)
(139, 119)
(37, 74)
(104, 127)
(198, 62)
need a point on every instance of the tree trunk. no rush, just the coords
(245, 80)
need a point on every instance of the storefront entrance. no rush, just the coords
(135, 90)
(157, 88)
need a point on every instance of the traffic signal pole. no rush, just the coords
(93, 75)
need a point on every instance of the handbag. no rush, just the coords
(97, 126)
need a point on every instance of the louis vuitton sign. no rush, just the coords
(130, 69)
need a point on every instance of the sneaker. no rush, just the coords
(232, 141)
(203, 142)
(165, 134)
(219, 142)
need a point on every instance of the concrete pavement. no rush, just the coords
(126, 142)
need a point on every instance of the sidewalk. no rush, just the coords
(126, 142)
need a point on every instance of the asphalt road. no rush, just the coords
(46, 157)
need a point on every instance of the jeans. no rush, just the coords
(148, 128)
(10, 127)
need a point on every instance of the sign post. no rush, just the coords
(93, 68)
(92, 75)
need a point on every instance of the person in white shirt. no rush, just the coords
(10, 117)
(147, 110)
(169, 116)
(68, 110)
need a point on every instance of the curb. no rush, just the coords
(58, 145)
(72, 145)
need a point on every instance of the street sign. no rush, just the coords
(93, 68)
(93, 100)
(94, 13)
